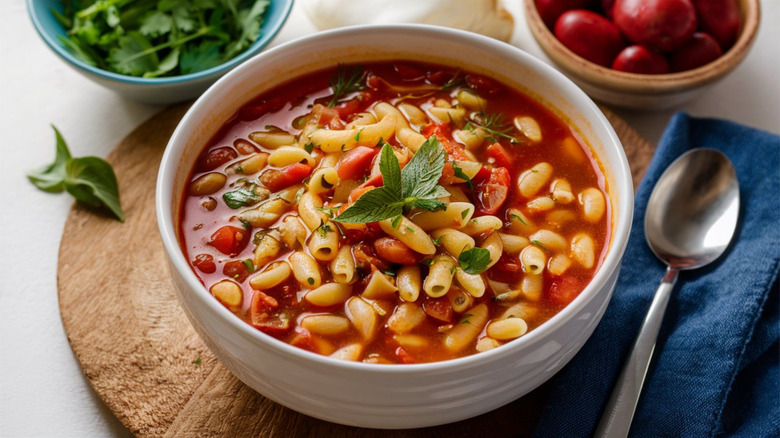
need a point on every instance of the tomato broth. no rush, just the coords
(511, 226)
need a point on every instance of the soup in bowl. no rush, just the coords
(394, 226)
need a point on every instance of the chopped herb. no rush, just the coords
(540, 245)
(437, 240)
(427, 262)
(323, 230)
(520, 219)
(357, 136)
(414, 186)
(309, 147)
(310, 280)
(346, 82)
(90, 180)
(396, 221)
(410, 229)
(465, 319)
(494, 124)
(389, 273)
(299, 194)
(243, 196)
(327, 210)
(250, 265)
(474, 260)
(462, 175)
(246, 224)
(464, 213)
(197, 361)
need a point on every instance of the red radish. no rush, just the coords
(550, 10)
(589, 35)
(719, 18)
(661, 25)
(699, 50)
(637, 59)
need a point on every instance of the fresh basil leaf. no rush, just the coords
(51, 178)
(374, 205)
(429, 204)
(421, 174)
(474, 260)
(92, 180)
(390, 170)
(241, 197)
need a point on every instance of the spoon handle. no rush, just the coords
(619, 411)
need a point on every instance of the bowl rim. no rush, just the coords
(611, 263)
(268, 31)
(588, 71)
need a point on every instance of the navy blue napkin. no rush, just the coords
(716, 369)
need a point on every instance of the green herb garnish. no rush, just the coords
(90, 180)
(474, 260)
(495, 126)
(243, 196)
(160, 38)
(540, 245)
(346, 82)
(514, 216)
(416, 186)
(462, 175)
(250, 265)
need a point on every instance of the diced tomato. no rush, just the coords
(205, 263)
(216, 157)
(357, 104)
(303, 339)
(482, 176)
(482, 85)
(564, 290)
(236, 269)
(443, 133)
(492, 194)
(366, 259)
(438, 308)
(356, 163)
(262, 317)
(230, 240)
(374, 181)
(506, 270)
(276, 180)
(394, 251)
(500, 155)
(404, 356)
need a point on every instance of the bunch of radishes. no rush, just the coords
(644, 36)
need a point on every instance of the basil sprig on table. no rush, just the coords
(416, 185)
(90, 180)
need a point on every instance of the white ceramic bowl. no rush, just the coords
(392, 396)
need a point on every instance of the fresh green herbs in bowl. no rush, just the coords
(157, 51)
(165, 38)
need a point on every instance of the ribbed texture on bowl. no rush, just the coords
(639, 91)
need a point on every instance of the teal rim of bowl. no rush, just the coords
(49, 29)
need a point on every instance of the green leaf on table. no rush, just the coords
(474, 260)
(51, 178)
(90, 179)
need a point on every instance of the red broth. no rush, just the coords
(528, 204)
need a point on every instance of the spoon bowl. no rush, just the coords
(690, 220)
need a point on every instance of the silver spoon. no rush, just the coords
(690, 220)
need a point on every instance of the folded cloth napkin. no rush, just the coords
(716, 370)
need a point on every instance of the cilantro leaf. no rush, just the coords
(201, 57)
(51, 178)
(133, 56)
(474, 260)
(249, 21)
(156, 23)
(459, 173)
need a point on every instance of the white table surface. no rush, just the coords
(42, 389)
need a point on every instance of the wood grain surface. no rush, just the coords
(139, 351)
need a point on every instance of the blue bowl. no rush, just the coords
(163, 90)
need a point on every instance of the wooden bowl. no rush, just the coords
(640, 91)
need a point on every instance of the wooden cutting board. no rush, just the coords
(139, 351)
